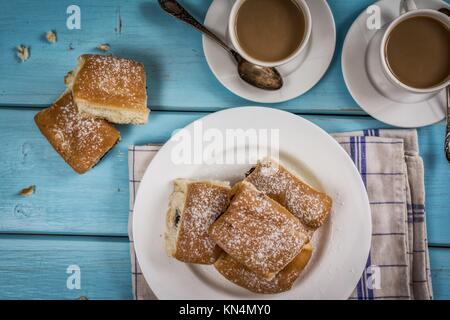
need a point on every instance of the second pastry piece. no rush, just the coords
(193, 207)
(311, 206)
(258, 232)
(110, 88)
(81, 141)
(244, 277)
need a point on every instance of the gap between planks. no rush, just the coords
(118, 238)
(190, 110)
(46, 236)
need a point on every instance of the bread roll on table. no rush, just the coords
(110, 87)
(81, 141)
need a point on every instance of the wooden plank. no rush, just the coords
(440, 272)
(179, 78)
(97, 203)
(34, 267)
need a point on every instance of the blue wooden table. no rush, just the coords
(82, 220)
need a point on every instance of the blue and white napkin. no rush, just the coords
(392, 171)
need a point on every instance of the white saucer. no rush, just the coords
(299, 76)
(355, 65)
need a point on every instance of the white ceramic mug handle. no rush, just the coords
(407, 5)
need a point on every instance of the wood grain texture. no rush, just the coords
(440, 272)
(97, 203)
(34, 267)
(179, 78)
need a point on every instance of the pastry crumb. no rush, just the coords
(68, 77)
(103, 47)
(51, 36)
(27, 191)
(23, 52)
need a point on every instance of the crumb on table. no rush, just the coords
(22, 52)
(103, 47)
(28, 191)
(51, 36)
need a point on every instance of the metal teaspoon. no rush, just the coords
(447, 133)
(258, 76)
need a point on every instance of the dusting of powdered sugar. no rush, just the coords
(110, 78)
(244, 277)
(309, 205)
(80, 140)
(75, 132)
(204, 204)
(258, 232)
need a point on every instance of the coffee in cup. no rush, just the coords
(270, 32)
(417, 51)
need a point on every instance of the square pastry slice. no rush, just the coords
(81, 141)
(193, 207)
(244, 277)
(258, 232)
(311, 206)
(110, 87)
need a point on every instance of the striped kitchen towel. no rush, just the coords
(392, 171)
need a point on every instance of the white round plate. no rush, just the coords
(354, 68)
(299, 75)
(341, 245)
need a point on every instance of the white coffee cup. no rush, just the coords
(409, 9)
(301, 50)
